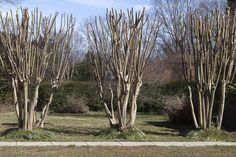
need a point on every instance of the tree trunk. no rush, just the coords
(133, 111)
(33, 104)
(211, 108)
(203, 113)
(25, 120)
(119, 107)
(124, 105)
(45, 112)
(200, 108)
(222, 105)
(192, 108)
(113, 119)
(109, 113)
(15, 96)
(110, 116)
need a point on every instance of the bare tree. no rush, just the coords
(171, 11)
(208, 61)
(29, 41)
(194, 32)
(130, 40)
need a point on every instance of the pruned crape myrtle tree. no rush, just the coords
(30, 41)
(120, 47)
(208, 62)
(206, 46)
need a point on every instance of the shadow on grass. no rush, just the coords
(171, 128)
(80, 115)
(71, 131)
(10, 124)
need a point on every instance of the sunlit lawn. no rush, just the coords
(85, 127)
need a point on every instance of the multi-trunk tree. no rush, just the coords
(120, 47)
(30, 40)
(208, 62)
(204, 40)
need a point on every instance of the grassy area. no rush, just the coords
(118, 151)
(86, 127)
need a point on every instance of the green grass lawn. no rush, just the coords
(118, 151)
(85, 127)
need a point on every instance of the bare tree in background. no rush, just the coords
(130, 40)
(76, 55)
(29, 41)
(232, 6)
(171, 11)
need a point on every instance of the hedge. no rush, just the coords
(86, 93)
(79, 96)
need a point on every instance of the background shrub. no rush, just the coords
(178, 109)
(150, 98)
(229, 122)
(6, 100)
(80, 96)
(73, 105)
(72, 97)
(174, 88)
(176, 103)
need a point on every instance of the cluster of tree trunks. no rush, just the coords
(120, 47)
(32, 44)
(203, 35)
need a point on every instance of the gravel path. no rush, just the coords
(125, 144)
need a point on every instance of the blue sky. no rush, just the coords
(81, 9)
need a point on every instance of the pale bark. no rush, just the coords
(15, 96)
(109, 112)
(44, 112)
(201, 109)
(120, 48)
(133, 112)
(221, 106)
(33, 104)
(192, 108)
(25, 118)
(210, 51)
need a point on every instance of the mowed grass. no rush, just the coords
(86, 127)
(72, 151)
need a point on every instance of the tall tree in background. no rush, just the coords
(232, 6)
(171, 11)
